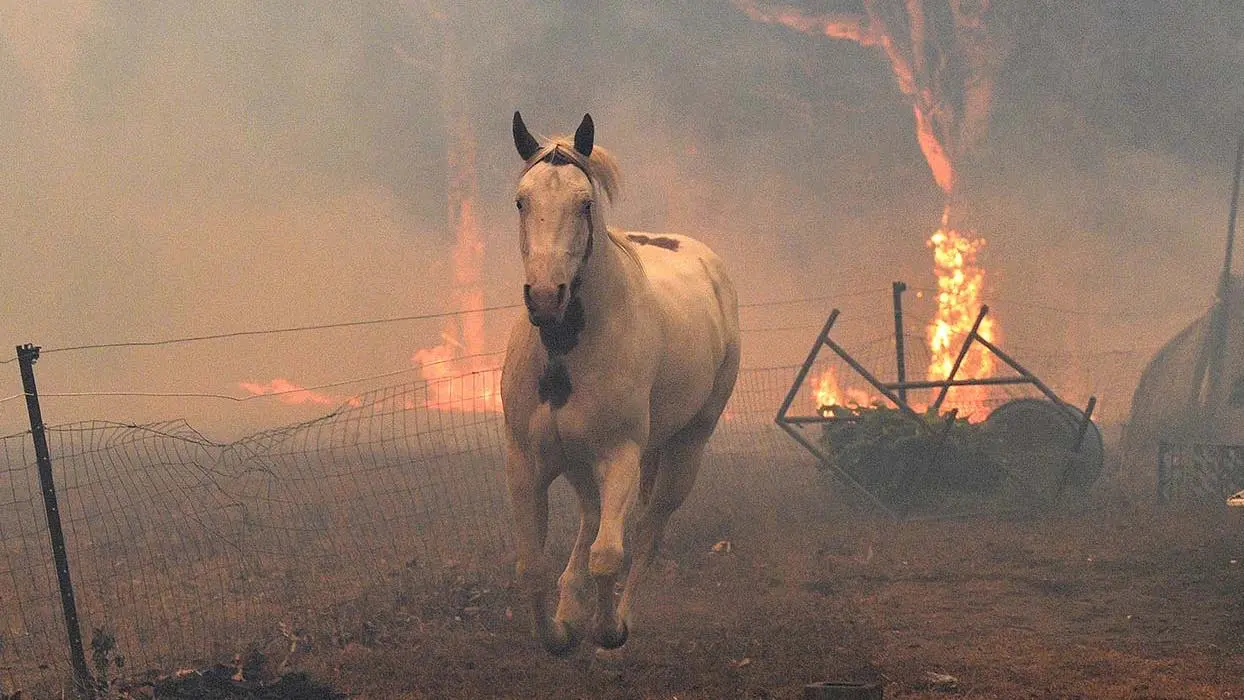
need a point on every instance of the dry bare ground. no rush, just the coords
(1104, 598)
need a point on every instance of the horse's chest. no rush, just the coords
(586, 426)
(554, 386)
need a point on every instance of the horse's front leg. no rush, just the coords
(619, 480)
(575, 584)
(529, 498)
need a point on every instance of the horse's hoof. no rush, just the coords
(563, 643)
(615, 639)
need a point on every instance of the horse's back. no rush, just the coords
(688, 277)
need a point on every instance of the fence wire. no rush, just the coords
(186, 551)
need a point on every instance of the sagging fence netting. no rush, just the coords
(184, 551)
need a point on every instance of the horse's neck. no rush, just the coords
(611, 277)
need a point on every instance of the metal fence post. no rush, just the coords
(26, 356)
(899, 351)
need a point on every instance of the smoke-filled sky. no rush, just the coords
(189, 168)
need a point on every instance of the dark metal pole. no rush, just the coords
(1084, 422)
(1081, 430)
(963, 352)
(26, 357)
(1220, 319)
(806, 367)
(1049, 393)
(899, 354)
(939, 383)
(1224, 283)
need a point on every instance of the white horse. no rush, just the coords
(616, 379)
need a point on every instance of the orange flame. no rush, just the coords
(829, 393)
(290, 393)
(454, 369)
(960, 283)
(456, 380)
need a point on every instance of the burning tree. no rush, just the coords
(945, 56)
(463, 335)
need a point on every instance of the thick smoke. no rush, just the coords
(178, 169)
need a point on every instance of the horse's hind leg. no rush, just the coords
(529, 497)
(679, 463)
(676, 472)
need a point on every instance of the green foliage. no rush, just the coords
(894, 456)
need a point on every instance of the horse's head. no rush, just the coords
(558, 214)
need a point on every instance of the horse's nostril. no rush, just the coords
(561, 293)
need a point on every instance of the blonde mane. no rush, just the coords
(601, 168)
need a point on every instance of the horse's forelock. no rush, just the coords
(600, 167)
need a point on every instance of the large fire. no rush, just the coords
(960, 289)
(455, 371)
(459, 375)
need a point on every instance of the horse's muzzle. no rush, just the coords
(545, 303)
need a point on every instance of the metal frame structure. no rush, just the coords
(896, 393)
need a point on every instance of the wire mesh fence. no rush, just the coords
(1199, 474)
(185, 551)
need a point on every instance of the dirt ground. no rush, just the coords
(1105, 598)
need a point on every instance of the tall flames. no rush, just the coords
(454, 368)
(457, 373)
(960, 289)
(960, 285)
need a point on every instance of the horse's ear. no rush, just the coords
(526, 144)
(584, 135)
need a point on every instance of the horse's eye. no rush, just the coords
(587, 208)
(519, 203)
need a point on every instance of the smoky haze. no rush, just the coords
(181, 169)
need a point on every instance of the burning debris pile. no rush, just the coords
(903, 454)
(897, 458)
